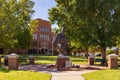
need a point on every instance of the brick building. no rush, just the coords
(42, 38)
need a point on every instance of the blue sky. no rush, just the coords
(41, 9)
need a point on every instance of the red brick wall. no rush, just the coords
(40, 42)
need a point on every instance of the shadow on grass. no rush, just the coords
(50, 58)
(5, 70)
(79, 61)
(41, 57)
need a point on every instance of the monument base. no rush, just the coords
(61, 62)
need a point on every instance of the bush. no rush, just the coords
(110, 51)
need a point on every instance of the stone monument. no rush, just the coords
(63, 45)
(62, 42)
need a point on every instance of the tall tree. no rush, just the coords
(14, 18)
(56, 30)
(101, 17)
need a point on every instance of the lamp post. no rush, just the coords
(52, 49)
(44, 48)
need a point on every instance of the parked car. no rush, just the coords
(97, 54)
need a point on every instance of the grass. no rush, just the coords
(79, 60)
(48, 59)
(103, 75)
(45, 59)
(22, 75)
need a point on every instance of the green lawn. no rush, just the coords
(48, 59)
(79, 60)
(22, 75)
(45, 59)
(103, 75)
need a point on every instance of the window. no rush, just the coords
(34, 43)
(34, 36)
(47, 37)
(44, 29)
(39, 45)
(44, 37)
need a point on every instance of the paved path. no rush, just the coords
(70, 75)
(63, 75)
(75, 75)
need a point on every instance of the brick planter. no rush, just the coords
(13, 61)
(112, 61)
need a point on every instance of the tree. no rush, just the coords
(100, 18)
(56, 30)
(75, 25)
(14, 19)
(24, 39)
(118, 42)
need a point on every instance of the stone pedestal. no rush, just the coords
(31, 59)
(61, 62)
(112, 61)
(13, 61)
(90, 60)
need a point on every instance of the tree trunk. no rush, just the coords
(86, 53)
(103, 51)
(6, 50)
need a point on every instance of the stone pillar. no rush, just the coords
(13, 61)
(91, 60)
(112, 61)
(31, 59)
(61, 62)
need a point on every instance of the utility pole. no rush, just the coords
(52, 49)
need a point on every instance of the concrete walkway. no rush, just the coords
(70, 75)
(63, 75)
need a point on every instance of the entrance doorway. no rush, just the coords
(43, 51)
(32, 51)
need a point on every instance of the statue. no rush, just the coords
(62, 42)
